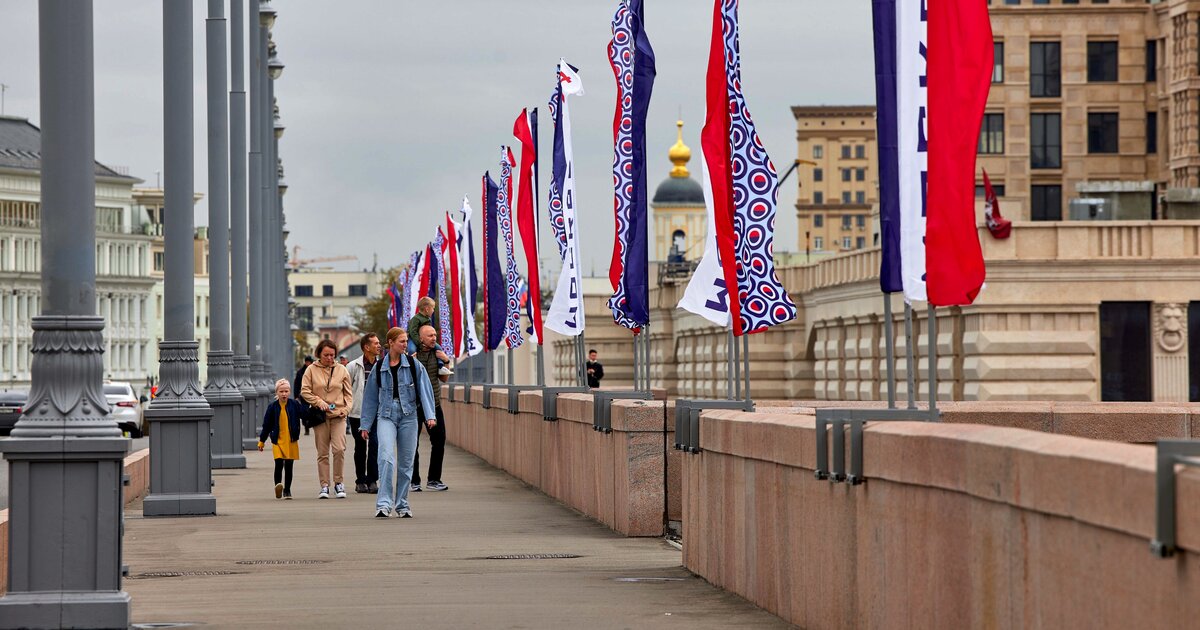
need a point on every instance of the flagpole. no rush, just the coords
(933, 412)
(889, 335)
(908, 348)
(746, 367)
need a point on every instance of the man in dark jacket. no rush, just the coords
(595, 369)
(427, 355)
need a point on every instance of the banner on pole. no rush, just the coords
(512, 323)
(524, 130)
(466, 257)
(494, 296)
(566, 309)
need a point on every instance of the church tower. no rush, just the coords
(679, 213)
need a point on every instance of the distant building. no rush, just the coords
(327, 301)
(680, 217)
(124, 285)
(837, 194)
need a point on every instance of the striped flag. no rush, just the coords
(442, 314)
(632, 60)
(564, 316)
(525, 131)
(933, 73)
(743, 182)
(454, 287)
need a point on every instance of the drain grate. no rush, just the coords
(648, 579)
(533, 556)
(281, 562)
(171, 574)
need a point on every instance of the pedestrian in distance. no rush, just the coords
(366, 451)
(326, 386)
(296, 382)
(281, 425)
(426, 355)
(595, 369)
(397, 393)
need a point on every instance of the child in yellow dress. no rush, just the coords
(281, 423)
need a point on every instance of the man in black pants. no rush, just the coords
(366, 452)
(427, 354)
(595, 369)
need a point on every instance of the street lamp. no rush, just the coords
(266, 15)
(275, 66)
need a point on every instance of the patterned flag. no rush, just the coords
(525, 131)
(442, 314)
(393, 303)
(564, 314)
(632, 61)
(495, 298)
(743, 182)
(934, 66)
(512, 327)
(466, 257)
(453, 287)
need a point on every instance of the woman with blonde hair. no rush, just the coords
(281, 423)
(326, 386)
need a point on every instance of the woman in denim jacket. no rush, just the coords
(396, 392)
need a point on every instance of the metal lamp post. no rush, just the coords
(238, 238)
(180, 453)
(221, 391)
(274, 227)
(66, 454)
(257, 297)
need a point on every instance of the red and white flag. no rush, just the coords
(996, 224)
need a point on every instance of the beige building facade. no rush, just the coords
(838, 177)
(326, 301)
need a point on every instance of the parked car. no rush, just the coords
(124, 407)
(12, 404)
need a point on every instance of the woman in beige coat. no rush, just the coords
(326, 386)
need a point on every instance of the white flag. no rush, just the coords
(706, 294)
(565, 316)
(466, 276)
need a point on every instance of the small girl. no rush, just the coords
(281, 423)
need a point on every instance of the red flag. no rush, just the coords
(526, 219)
(996, 224)
(424, 290)
(960, 75)
(452, 291)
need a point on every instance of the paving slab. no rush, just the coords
(331, 564)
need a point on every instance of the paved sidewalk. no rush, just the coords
(427, 572)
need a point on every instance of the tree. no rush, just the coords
(373, 315)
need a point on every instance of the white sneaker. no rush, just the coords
(383, 512)
(324, 493)
(340, 490)
(405, 513)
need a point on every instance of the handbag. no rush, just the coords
(312, 416)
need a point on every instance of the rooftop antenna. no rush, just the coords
(3, 89)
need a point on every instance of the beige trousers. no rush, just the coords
(331, 433)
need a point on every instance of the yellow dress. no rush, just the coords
(284, 447)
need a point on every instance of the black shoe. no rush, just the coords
(360, 488)
(373, 488)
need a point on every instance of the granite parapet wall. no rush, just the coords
(957, 526)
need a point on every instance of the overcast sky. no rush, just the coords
(394, 109)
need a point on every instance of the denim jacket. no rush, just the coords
(377, 393)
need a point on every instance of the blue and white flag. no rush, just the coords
(512, 323)
(707, 294)
(467, 275)
(565, 316)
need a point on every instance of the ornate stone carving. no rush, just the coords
(1170, 327)
(222, 383)
(179, 373)
(66, 396)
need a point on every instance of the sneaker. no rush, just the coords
(437, 486)
(416, 487)
(383, 513)
(360, 488)
(278, 491)
(287, 495)
(445, 371)
(324, 493)
(340, 490)
(405, 513)
(372, 488)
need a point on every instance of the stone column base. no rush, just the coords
(65, 609)
(183, 504)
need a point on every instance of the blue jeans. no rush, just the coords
(397, 446)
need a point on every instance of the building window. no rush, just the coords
(1151, 61)
(819, 243)
(860, 242)
(818, 151)
(304, 290)
(358, 290)
(1102, 61)
(1045, 140)
(159, 261)
(818, 174)
(846, 220)
(818, 220)
(845, 174)
(1046, 204)
(818, 197)
(860, 197)
(860, 220)
(845, 242)
(860, 174)
(1102, 132)
(1125, 351)
(998, 62)
(327, 290)
(845, 151)
(1151, 132)
(304, 317)
(860, 151)
(991, 135)
(981, 190)
(846, 196)
(1045, 70)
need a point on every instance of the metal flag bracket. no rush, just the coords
(1170, 453)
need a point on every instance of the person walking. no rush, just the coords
(366, 463)
(427, 356)
(595, 369)
(397, 392)
(296, 382)
(281, 424)
(326, 386)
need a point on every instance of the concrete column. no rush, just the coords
(180, 450)
(221, 390)
(262, 245)
(65, 454)
(254, 196)
(237, 230)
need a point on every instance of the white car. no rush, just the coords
(124, 407)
